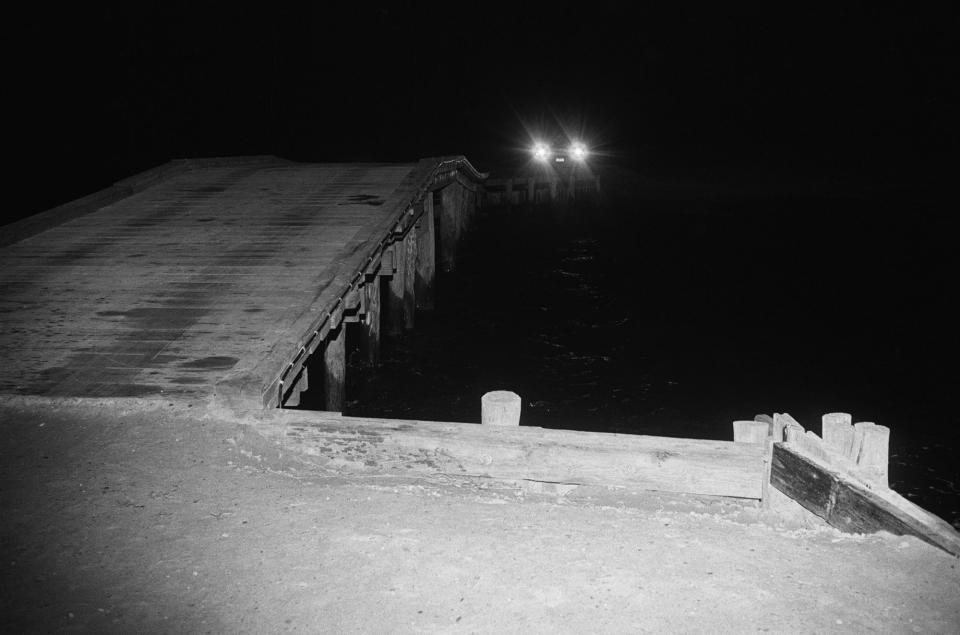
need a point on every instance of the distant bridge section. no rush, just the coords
(219, 278)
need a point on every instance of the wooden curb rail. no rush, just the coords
(690, 466)
(842, 477)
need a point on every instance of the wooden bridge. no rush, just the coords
(232, 280)
(221, 277)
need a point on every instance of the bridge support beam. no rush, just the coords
(371, 321)
(426, 257)
(449, 226)
(409, 279)
(402, 295)
(302, 385)
(396, 321)
(334, 363)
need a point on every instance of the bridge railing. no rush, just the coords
(540, 190)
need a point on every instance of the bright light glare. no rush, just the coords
(578, 151)
(541, 151)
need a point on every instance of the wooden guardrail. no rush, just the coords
(841, 476)
(536, 190)
(510, 452)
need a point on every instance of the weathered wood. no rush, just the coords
(301, 384)
(850, 505)
(409, 280)
(371, 339)
(396, 305)
(334, 363)
(750, 431)
(426, 257)
(872, 456)
(837, 432)
(449, 226)
(792, 430)
(207, 281)
(500, 408)
(717, 468)
(757, 433)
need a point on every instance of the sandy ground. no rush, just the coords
(126, 517)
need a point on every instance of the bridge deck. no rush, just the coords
(196, 274)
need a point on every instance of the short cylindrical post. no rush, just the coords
(500, 408)
(750, 431)
(874, 447)
(836, 432)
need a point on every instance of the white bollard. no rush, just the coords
(500, 408)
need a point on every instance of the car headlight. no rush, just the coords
(578, 151)
(541, 151)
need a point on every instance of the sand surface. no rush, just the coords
(125, 516)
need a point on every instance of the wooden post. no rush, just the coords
(449, 225)
(837, 432)
(372, 320)
(500, 408)
(398, 286)
(409, 279)
(750, 431)
(426, 257)
(334, 363)
(469, 210)
(872, 457)
(758, 433)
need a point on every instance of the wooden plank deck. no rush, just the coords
(189, 275)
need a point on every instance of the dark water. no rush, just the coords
(675, 316)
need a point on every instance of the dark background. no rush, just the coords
(823, 284)
(849, 91)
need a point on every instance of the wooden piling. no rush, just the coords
(500, 408)
(750, 431)
(837, 432)
(409, 279)
(396, 321)
(449, 225)
(426, 257)
(758, 432)
(872, 443)
(334, 363)
(371, 324)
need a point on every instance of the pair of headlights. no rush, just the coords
(577, 151)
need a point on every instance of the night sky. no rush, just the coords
(856, 91)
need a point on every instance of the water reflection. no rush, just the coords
(676, 317)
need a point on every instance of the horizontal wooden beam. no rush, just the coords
(692, 466)
(854, 505)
